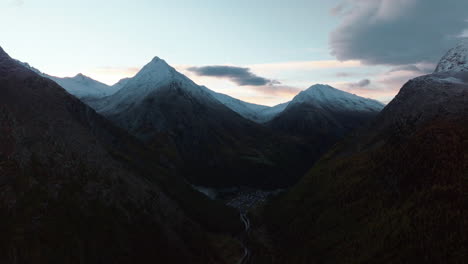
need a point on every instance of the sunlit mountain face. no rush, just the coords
(234, 132)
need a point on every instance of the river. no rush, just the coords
(243, 199)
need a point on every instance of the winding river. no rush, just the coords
(242, 199)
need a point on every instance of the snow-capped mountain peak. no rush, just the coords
(83, 86)
(156, 71)
(456, 59)
(155, 75)
(81, 78)
(322, 95)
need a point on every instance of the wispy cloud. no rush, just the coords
(343, 74)
(306, 65)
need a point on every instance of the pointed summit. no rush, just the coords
(456, 59)
(82, 78)
(157, 59)
(153, 77)
(158, 63)
(79, 75)
(156, 71)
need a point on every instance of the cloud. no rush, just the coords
(397, 32)
(360, 84)
(240, 76)
(16, 3)
(385, 85)
(464, 33)
(306, 65)
(338, 9)
(343, 74)
(409, 67)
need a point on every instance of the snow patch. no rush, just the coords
(456, 59)
(325, 96)
(83, 86)
(253, 112)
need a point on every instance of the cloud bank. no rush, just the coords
(397, 32)
(240, 76)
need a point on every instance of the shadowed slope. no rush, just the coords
(395, 192)
(68, 193)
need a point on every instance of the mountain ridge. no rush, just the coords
(209, 136)
(393, 192)
(67, 172)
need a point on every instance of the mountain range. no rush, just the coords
(76, 188)
(91, 173)
(223, 141)
(392, 192)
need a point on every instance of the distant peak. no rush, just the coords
(322, 94)
(156, 59)
(82, 77)
(319, 86)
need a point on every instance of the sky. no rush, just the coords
(259, 51)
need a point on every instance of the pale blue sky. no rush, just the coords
(288, 41)
(49, 33)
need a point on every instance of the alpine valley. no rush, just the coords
(159, 169)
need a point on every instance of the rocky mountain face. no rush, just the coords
(393, 192)
(76, 189)
(218, 147)
(456, 59)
